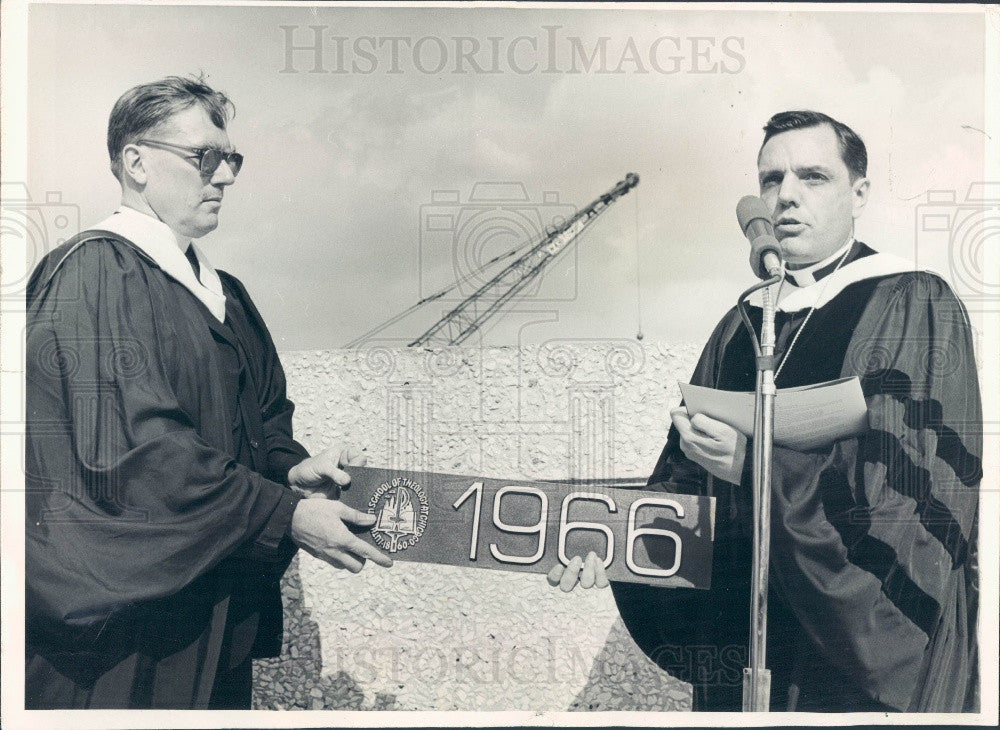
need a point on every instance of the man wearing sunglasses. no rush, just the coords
(164, 488)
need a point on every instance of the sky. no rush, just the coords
(371, 174)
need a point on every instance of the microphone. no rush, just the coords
(765, 251)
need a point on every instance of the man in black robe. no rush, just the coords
(873, 596)
(164, 488)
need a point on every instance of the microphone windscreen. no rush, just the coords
(751, 208)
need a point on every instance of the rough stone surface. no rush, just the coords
(429, 637)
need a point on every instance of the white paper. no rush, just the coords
(805, 418)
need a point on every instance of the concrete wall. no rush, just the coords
(426, 637)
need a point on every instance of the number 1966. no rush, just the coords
(565, 527)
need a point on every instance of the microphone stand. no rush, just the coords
(756, 677)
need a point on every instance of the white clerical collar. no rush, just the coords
(166, 248)
(809, 275)
(873, 266)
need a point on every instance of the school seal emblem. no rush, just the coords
(401, 510)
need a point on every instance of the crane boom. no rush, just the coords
(469, 315)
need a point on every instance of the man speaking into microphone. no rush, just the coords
(873, 590)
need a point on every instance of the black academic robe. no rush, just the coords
(873, 596)
(158, 447)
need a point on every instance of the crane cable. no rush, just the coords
(437, 295)
(638, 267)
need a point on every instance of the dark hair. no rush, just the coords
(852, 149)
(146, 106)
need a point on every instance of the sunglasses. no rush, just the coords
(209, 158)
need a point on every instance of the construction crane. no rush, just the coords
(461, 322)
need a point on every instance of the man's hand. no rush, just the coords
(319, 526)
(588, 573)
(715, 445)
(321, 475)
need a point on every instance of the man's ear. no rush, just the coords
(132, 164)
(861, 187)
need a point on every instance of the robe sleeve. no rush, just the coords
(283, 451)
(872, 538)
(126, 502)
(673, 625)
(674, 472)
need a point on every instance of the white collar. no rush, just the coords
(806, 276)
(167, 248)
(820, 293)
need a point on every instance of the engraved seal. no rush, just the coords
(401, 510)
